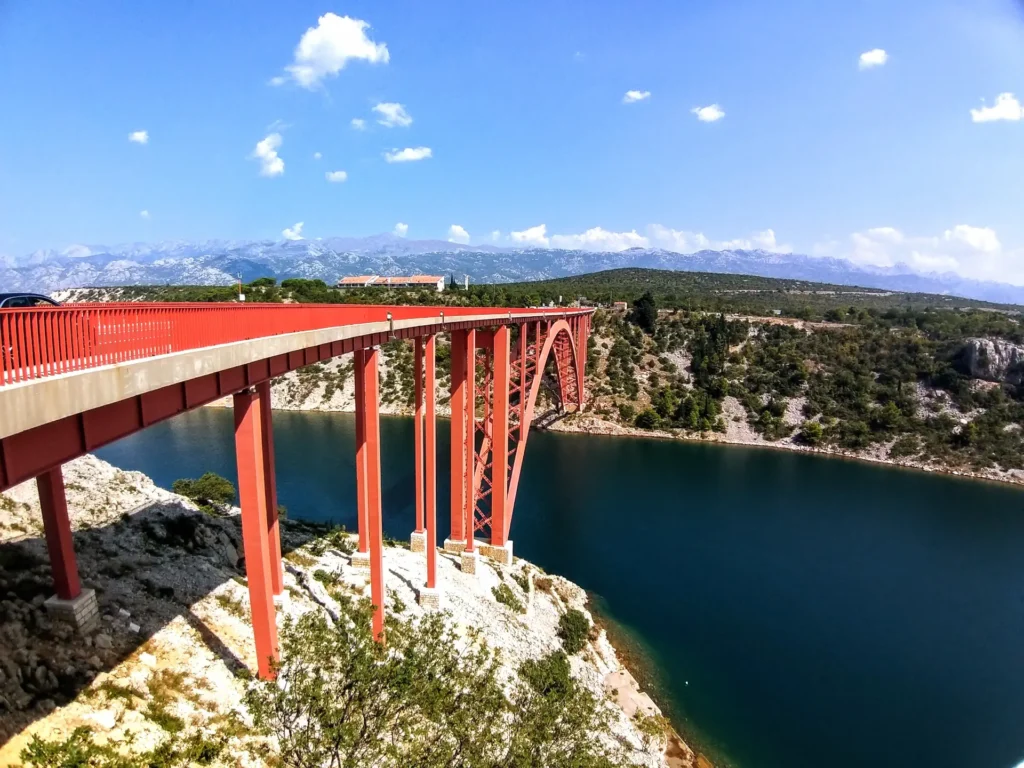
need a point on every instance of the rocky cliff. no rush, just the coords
(175, 643)
(994, 360)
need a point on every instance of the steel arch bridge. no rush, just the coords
(75, 378)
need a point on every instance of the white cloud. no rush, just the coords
(598, 239)
(709, 114)
(966, 250)
(682, 241)
(632, 97)
(336, 177)
(458, 234)
(325, 49)
(317, 155)
(496, 235)
(534, 236)
(266, 152)
(408, 155)
(293, 233)
(981, 239)
(392, 114)
(358, 124)
(401, 229)
(139, 137)
(144, 214)
(1006, 108)
(876, 57)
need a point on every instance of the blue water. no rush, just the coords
(803, 612)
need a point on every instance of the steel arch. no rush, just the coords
(537, 344)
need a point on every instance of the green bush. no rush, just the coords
(648, 419)
(503, 594)
(574, 629)
(426, 698)
(210, 491)
(811, 433)
(79, 750)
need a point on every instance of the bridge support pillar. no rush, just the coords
(430, 460)
(57, 527)
(368, 405)
(500, 554)
(429, 596)
(456, 542)
(361, 557)
(469, 445)
(418, 539)
(270, 480)
(71, 605)
(500, 516)
(253, 494)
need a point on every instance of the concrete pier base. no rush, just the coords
(454, 545)
(469, 562)
(418, 541)
(361, 560)
(501, 555)
(429, 597)
(82, 612)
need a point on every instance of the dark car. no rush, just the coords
(25, 301)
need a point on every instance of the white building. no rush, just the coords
(384, 281)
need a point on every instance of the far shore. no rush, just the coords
(588, 424)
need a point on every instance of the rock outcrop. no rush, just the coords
(174, 637)
(993, 360)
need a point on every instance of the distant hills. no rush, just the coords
(218, 262)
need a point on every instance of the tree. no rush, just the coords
(574, 629)
(210, 490)
(263, 282)
(647, 419)
(811, 433)
(425, 699)
(644, 313)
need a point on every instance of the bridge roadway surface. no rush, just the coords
(75, 378)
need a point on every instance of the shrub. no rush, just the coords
(648, 419)
(210, 491)
(80, 750)
(811, 433)
(503, 594)
(574, 629)
(426, 698)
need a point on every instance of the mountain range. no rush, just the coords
(219, 262)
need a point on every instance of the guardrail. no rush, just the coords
(40, 342)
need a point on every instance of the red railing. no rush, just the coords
(40, 342)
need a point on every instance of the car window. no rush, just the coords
(21, 302)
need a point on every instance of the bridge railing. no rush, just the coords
(40, 342)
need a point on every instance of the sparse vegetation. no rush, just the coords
(503, 594)
(211, 492)
(424, 699)
(574, 629)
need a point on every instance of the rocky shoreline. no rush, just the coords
(174, 641)
(592, 425)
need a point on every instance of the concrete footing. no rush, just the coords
(360, 559)
(429, 597)
(82, 613)
(501, 555)
(470, 562)
(454, 545)
(418, 541)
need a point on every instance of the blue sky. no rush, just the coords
(524, 109)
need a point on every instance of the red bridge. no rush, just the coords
(75, 378)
